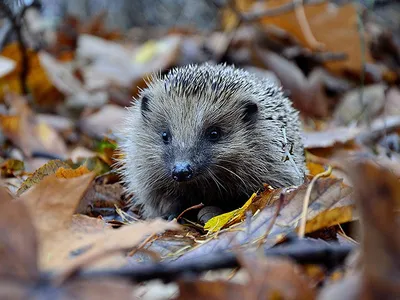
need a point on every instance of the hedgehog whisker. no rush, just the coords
(246, 174)
(216, 181)
(233, 173)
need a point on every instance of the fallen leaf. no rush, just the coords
(306, 93)
(12, 167)
(333, 26)
(218, 222)
(326, 194)
(278, 278)
(24, 130)
(53, 201)
(106, 120)
(378, 193)
(62, 76)
(44, 93)
(51, 204)
(71, 173)
(330, 137)
(269, 279)
(215, 290)
(49, 168)
(6, 65)
(19, 272)
(18, 245)
(115, 240)
(103, 198)
(352, 107)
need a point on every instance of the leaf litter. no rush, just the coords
(67, 215)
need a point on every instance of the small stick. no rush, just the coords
(305, 26)
(16, 23)
(190, 208)
(306, 201)
(136, 249)
(273, 220)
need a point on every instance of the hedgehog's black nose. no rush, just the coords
(182, 171)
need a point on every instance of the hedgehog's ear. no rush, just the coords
(250, 112)
(144, 105)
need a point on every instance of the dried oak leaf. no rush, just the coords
(43, 92)
(49, 168)
(18, 244)
(334, 27)
(19, 272)
(27, 133)
(378, 197)
(269, 279)
(329, 205)
(52, 203)
(377, 192)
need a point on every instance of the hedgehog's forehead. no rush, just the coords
(216, 86)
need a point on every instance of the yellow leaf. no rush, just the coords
(229, 218)
(38, 82)
(71, 173)
(315, 168)
(146, 52)
(330, 217)
(10, 124)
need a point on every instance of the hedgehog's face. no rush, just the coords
(198, 140)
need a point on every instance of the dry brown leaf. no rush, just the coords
(306, 93)
(276, 277)
(24, 130)
(352, 108)
(269, 279)
(99, 288)
(102, 197)
(378, 195)
(104, 121)
(213, 290)
(329, 137)
(326, 194)
(12, 167)
(17, 242)
(53, 201)
(19, 273)
(335, 27)
(6, 65)
(44, 93)
(115, 240)
(49, 168)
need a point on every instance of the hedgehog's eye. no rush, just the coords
(166, 136)
(213, 133)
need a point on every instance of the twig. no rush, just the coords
(276, 11)
(190, 208)
(306, 201)
(16, 23)
(305, 26)
(315, 253)
(136, 249)
(275, 216)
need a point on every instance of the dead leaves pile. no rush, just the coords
(68, 231)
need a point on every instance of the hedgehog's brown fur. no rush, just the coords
(253, 116)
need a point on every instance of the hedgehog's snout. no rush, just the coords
(182, 171)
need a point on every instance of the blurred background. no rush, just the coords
(69, 68)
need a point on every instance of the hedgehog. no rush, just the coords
(211, 134)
